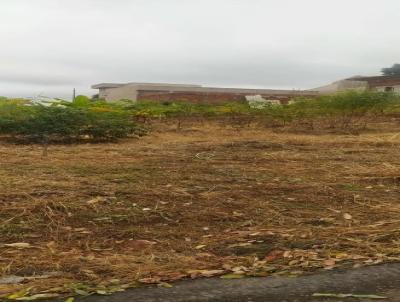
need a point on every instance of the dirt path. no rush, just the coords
(381, 280)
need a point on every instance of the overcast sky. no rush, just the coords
(51, 46)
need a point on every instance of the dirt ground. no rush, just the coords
(202, 201)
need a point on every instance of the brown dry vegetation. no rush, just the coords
(202, 201)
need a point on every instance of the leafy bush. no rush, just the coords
(342, 110)
(63, 121)
(99, 120)
(176, 109)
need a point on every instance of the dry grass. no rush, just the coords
(252, 201)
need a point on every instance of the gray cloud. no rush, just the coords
(51, 46)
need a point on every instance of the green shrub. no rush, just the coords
(46, 123)
(64, 121)
(81, 100)
(341, 110)
(98, 120)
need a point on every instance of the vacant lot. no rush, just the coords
(202, 201)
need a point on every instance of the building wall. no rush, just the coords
(382, 83)
(396, 88)
(210, 97)
(376, 82)
(119, 93)
(191, 93)
(192, 97)
(342, 85)
(103, 93)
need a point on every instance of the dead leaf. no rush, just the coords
(237, 214)
(7, 289)
(96, 200)
(150, 280)
(239, 269)
(240, 244)
(329, 263)
(52, 246)
(12, 279)
(90, 257)
(287, 254)
(232, 276)
(331, 295)
(102, 292)
(201, 246)
(293, 262)
(341, 256)
(204, 255)
(98, 249)
(174, 276)
(38, 296)
(141, 244)
(19, 245)
(273, 255)
(19, 294)
(81, 292)
(347, 216)
(165, 285)
(205, 273)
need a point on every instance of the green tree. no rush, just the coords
(394, 70)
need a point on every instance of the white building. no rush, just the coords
(190, 93)
(360, 83)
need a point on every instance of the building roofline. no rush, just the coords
(116, 85)
(366, 78)
(107, 85)
(226, 90)
(163, 87)
(164, 84)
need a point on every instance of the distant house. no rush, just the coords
(382, 83)
(191, 93)
(375, 83)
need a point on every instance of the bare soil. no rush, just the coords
(202, 201)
